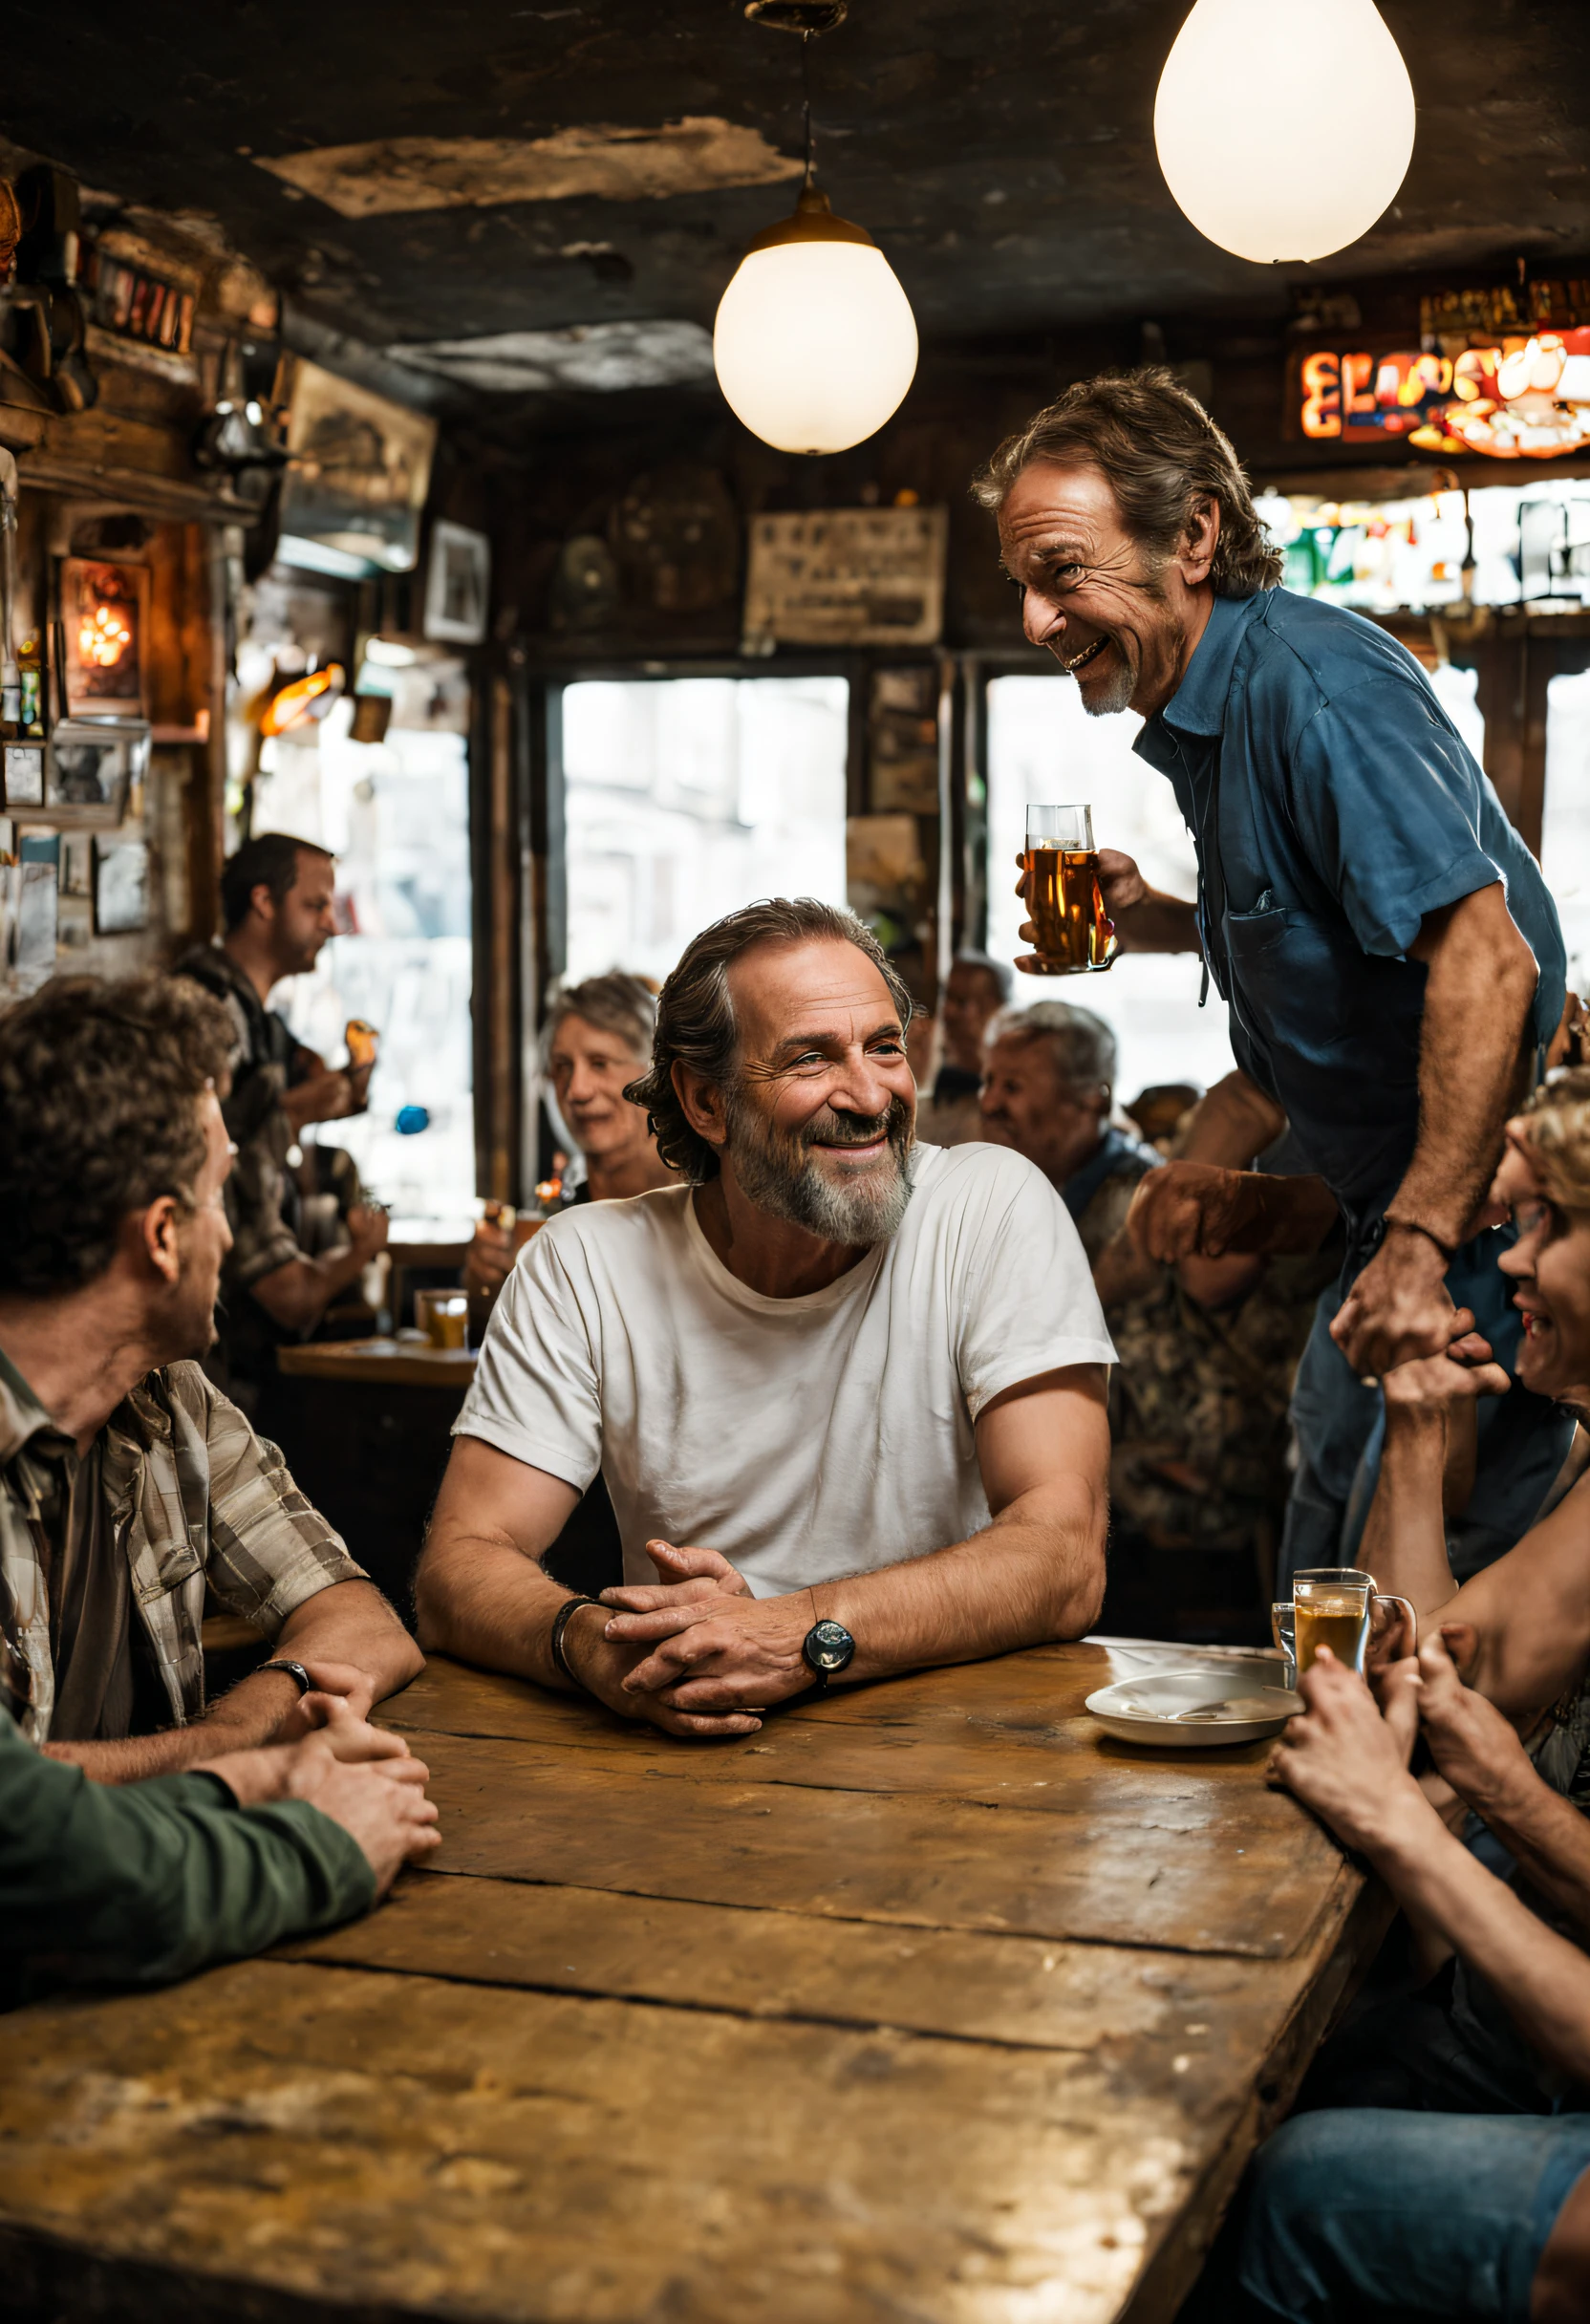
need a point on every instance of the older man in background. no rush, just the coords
(847, 1395)
(1048, 1084)
(975, 990)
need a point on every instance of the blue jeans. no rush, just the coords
(1360, 2213)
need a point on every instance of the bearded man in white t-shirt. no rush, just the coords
(846, 1392)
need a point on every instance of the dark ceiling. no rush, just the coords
(1001, 154)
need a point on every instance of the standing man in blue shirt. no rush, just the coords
(1386, 946)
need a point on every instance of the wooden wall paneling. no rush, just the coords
(495, 854)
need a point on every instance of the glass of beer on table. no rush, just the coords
(1335, 1606)
(1073, 933)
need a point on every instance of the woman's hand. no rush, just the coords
(1345, 1762)
(1473, 1746)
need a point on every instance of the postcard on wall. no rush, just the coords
(24, 775)
(846, 578)
(104, 620)
(121, 887)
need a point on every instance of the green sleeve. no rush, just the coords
(139, 1884)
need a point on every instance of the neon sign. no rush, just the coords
(1512, 399)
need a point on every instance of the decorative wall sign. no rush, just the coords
(121, 887)
(1512, 399)
(104, 614)
(847, 576)
(138, 305)
(359, 468)
(458, 585)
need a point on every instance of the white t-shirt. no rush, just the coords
(803, 1438)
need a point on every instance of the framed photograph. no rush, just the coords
(24, 775)
(76, 864)
(358, 470)
(121, 887)
(104, 641)
(458, 585)
(90, 766)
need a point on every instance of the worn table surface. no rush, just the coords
(399, 1363)
(926, 2003)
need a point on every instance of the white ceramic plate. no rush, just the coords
(1191, 1709)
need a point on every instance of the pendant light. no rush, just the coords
(815, 343)
(1284, 127)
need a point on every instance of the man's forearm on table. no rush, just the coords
(482, 1599)
(351, 1623)
(1036, 1574)
(1542, 1979)
(248, 1715)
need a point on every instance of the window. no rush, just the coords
(1043, 747)
(1565, 831)
(395, 814)
(685, 798)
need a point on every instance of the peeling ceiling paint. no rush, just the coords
(693, 155)
(600, 357)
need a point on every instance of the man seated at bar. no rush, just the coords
(975, 990)
(1048, 1084)
(145, 1882)
(276, 895)
(848, 1394)
(1356, 2201)
(128, 1484)
(597, 1038)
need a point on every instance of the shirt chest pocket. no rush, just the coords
(1306, 987)
(163, 1566)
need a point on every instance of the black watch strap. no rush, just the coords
(306, 1684)
(560, 1624)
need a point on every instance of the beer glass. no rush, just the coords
(1333, 1607)
(444, 1317)
(1064, 902)
(1283, 1630)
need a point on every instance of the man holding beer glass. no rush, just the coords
(1388, 952)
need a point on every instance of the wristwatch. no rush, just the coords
(826, 1648)
(306, 1684)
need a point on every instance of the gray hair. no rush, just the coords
(696, 1022)
(1161, 454)
(616, 1004)
(1081, 1047)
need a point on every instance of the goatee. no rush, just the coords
(780, 1176)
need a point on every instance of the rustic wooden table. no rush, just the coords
(925, 2002)
(380, 1363)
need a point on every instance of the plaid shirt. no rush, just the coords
(261, 1208)
(193, 1496)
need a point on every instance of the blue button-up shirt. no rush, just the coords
(1333, 805)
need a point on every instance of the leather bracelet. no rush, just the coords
(1413, 1226)
(560, 1624)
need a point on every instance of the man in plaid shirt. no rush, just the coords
(127, 1482)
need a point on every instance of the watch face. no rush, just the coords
(829, 1645)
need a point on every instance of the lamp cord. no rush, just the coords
(805, 95)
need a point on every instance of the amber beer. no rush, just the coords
(1333, 1607)
(1066, 903)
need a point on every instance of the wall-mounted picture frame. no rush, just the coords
(90, 766)
(104, 637)
(458, 585)
(358, 470)
(121, 887)
(22, 779)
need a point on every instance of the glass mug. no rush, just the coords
(1333, 1605)
(444, 1317)
(1073, 934)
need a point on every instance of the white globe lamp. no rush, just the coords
(815, 343)
(1284, 127)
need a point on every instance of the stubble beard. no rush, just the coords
(780, 1175)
